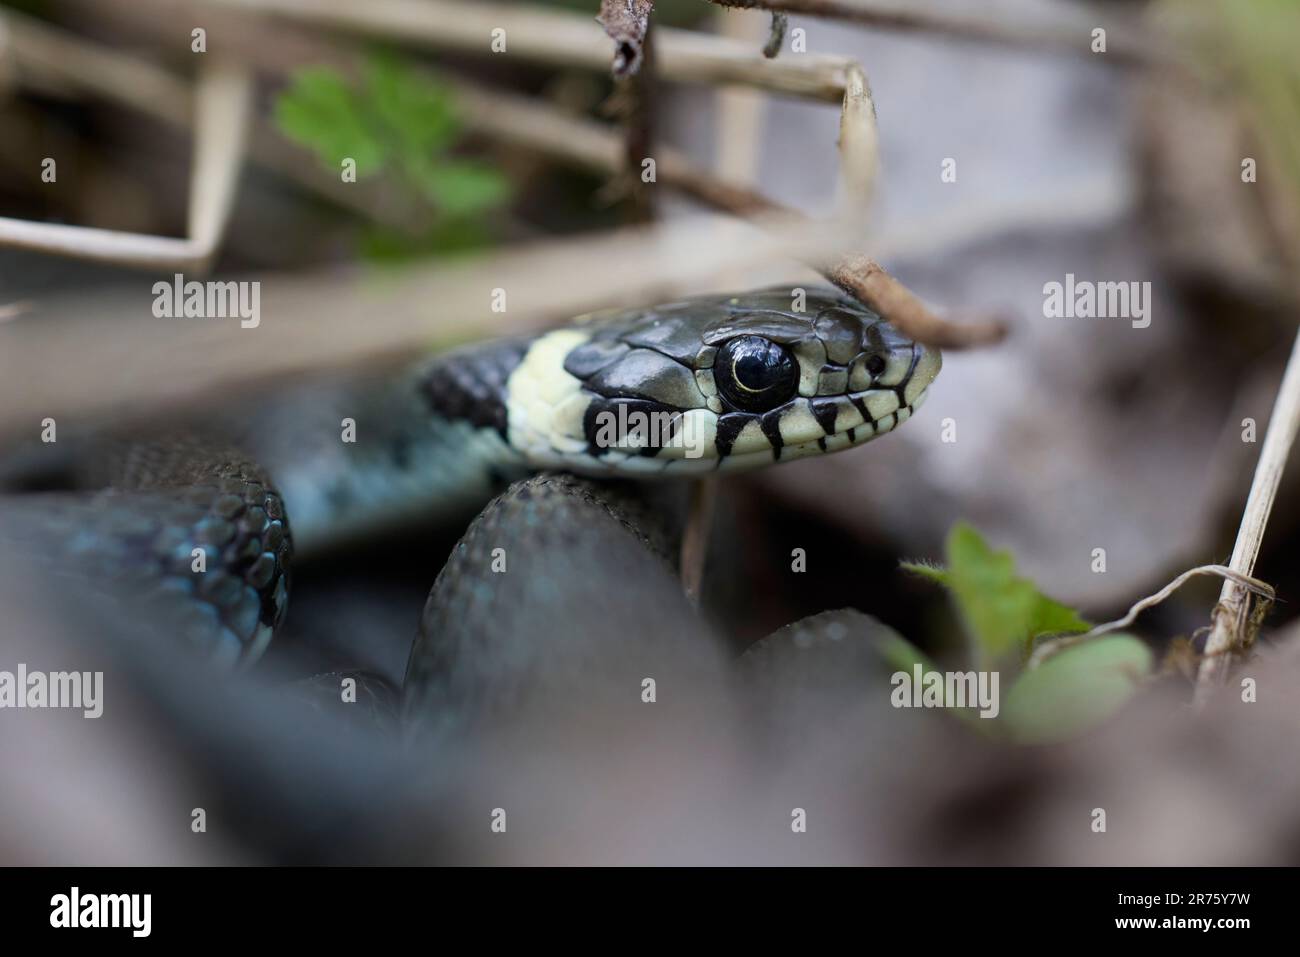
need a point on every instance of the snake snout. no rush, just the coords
(925, 369)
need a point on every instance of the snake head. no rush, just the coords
(715, 383)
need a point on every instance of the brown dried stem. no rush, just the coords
(1060, 27)
(1228, 631)
(627, 22)
(128, 363)
(523, 122)
(557, 38)
(695, 538)
(63, 64)
(223, 97)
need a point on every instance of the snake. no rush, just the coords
(196, 531)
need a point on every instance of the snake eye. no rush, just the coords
(755, 374)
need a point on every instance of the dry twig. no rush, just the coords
(776, 35)
(558, 38)
(1050, 648)
(224, 99)
(526, 122)
(1052, 27)
(63, 64)
(590, 144)
(127, 363)
(523, 122)
(868, 282)
(695, 539)
(1228, 631)
(626, 22)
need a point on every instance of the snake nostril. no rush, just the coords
(875, 364)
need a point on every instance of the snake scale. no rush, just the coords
(193, 534)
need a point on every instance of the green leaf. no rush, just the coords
(404, 120)
(1003, 613)
(1050, 617)
(934, 573)
(1076, 688)
(417, 111)
(321, 112)
(463, 188)
(900, 654)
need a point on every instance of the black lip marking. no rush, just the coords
(861, 406)
(853, 434)
(821, 443)
(729, 426)
(902, 385)
(592, 428)
(771, 426)
(825, 411)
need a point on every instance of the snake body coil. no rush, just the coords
(200, 535)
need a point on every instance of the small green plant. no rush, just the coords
(1003, 613)
(401, 122)
(1004, 616)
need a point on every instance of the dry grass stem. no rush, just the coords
(1050, 648)
(1227, 631)
(695, 539)
(1054, 27)
(127, 362)
(558, 38)
(223, 107)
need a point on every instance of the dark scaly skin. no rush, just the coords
(590, 608)
(151, 506)
(815, 671)
(132, 541)
(413, 458)
(588, 605)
